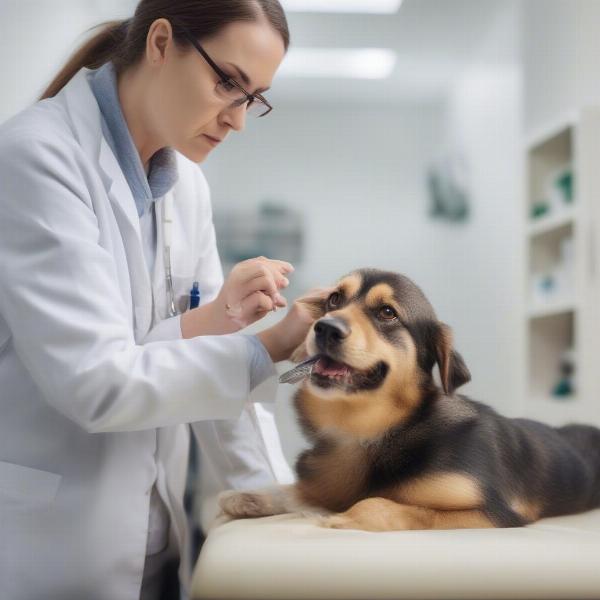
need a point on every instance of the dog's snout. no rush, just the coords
(331, 331)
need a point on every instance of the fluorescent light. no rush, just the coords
(343, 6)
(355, 63)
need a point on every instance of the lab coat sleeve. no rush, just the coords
(167, 329)
(246, 452)
(68, 319)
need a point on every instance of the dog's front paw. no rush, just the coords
(338, 521)
(245, 504)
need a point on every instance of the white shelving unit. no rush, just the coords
(562, 299)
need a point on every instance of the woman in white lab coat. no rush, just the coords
(105, 223)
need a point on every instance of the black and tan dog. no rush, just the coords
(392, 450)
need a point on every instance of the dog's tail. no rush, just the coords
(586, 439)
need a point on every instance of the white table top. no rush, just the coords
(288, 557)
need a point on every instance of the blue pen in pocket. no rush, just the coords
(194, 295)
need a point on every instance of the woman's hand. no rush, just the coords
(283, 338)
(250, 291)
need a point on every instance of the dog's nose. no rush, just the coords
(330, 331)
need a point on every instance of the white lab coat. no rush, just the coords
(96, 386)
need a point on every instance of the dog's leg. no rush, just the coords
(381, 514)
(273, 500)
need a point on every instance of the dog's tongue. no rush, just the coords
(321, 365)
(329, 368)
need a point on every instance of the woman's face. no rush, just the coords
(185, 107)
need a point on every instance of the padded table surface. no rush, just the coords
(288, 557)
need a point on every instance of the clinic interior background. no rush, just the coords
(344, 162)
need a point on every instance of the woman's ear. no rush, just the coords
(453, 370)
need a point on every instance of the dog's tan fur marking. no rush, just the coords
(350, 285)
(382, 293)
(443, 491)
(370, 413)
(358, 351)
(364, 415)
(381, 514)
(461, 519)
(336, 478)
(528, 510)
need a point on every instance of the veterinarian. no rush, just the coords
(105, 225)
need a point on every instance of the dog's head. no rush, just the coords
(378, 334)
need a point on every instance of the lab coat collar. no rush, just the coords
(85, 115)
(86, 118)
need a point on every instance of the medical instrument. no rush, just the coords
(167, 219)
(300, 371)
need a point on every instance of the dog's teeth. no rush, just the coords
(299, 372)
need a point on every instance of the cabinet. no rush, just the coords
(562, 302)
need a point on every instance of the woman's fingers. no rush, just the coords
(280, 301)
(253, 276)
(281, 265)
(259, 300)
(263, 304)
(258, 267)
(263, 283)
(261, 277)
(256, 305)
(279, 280)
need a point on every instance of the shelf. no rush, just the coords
(552, 309)
(551, 223)
(561, 330)
(551, 131)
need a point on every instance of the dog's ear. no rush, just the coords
(314, 303)
(453, 370)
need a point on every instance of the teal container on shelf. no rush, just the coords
(539, 209)
(564, 183)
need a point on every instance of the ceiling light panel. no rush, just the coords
(355, 63)
(343, 6)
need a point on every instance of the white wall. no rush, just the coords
(561, 50)
(483, 260)
(36, 38)
(356, 172)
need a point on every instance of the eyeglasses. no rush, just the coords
(229, 89)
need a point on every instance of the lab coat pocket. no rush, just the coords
(181, 288)
(27, 486)
(181, 294)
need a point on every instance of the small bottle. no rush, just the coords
(194, 295)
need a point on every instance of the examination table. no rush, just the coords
(289, 557)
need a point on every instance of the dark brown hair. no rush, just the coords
(124, 42)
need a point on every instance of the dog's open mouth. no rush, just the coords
(327, 367)
(326, 372)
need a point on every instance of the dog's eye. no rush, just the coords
(387, 313)
(334, 300)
